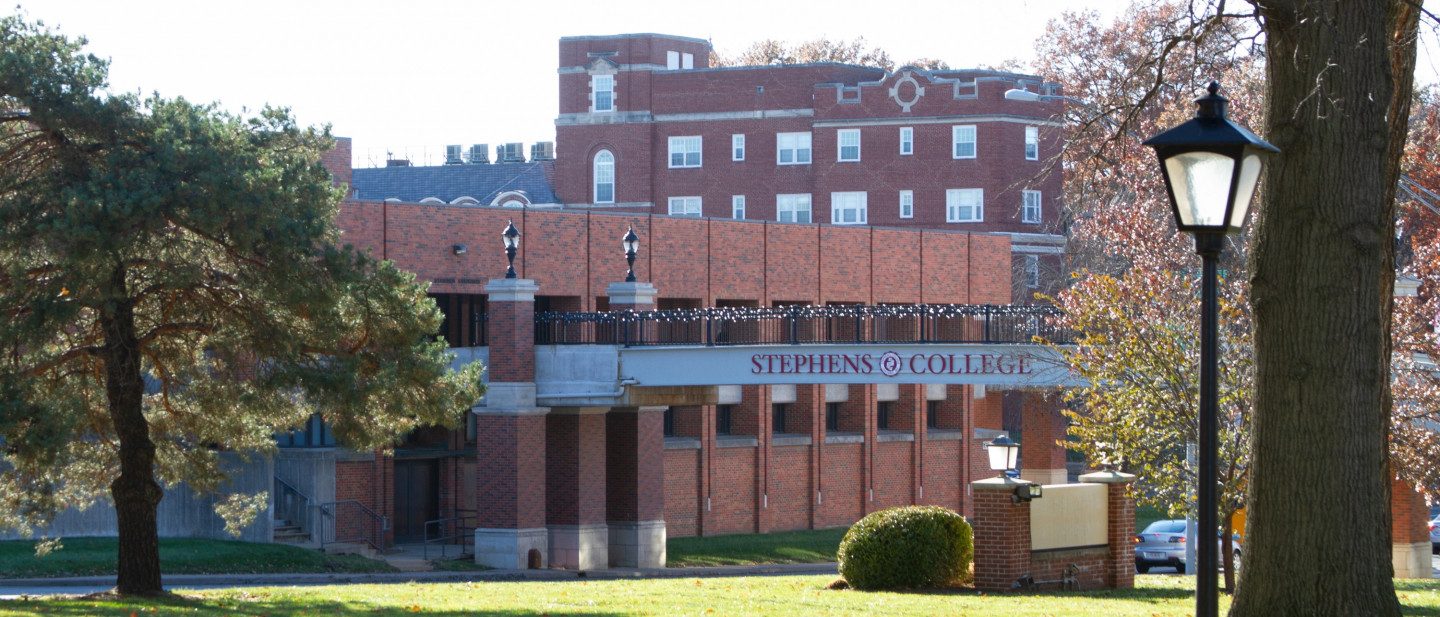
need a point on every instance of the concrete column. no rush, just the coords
(575, 487)
(510, 437)
(1002, 534)
(1120, 565)
(635, 486)
(1409, 531)
(1043, 458)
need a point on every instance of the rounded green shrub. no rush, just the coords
(908, 547)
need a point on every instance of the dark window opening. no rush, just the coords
(722, 419)
(777, 417)
(932, 414)
(463, 319)
(315, 433)
(670, 422)
(832, 417)
(882, 414)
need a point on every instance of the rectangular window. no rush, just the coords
(777, 417)
(669, 427)
(882, 414)
(722, 419)
(602, 96)
(672, 60)
(792, 208)
(832, 417)
(737, 147)
(685, 206)
(932, 414)
(792, 148)
(1032, 143)
(848, 208)
(907, 140)
(685, 151)
(963, 138)
(687, 61)
(964, 206)
(907, 204)
(1030, 206)
(1032, 271)
(849, 145)
(737, 206)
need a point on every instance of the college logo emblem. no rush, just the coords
(890, 364)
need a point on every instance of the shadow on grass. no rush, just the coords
(257, 606)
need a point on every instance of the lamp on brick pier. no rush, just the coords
(1211, 166)
(512, 243)
(631, 243)
(1004, 455)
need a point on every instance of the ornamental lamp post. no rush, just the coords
(512, 243)
(1004, 455)
(631, 242)
(1211, 166)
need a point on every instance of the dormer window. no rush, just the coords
(602, 93)
(675, 60)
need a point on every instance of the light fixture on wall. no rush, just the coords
(459, 249)
(512, 243)
(632, 245)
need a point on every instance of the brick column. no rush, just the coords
(510, 437)
(1002, 534)
(635, 486)
(1120, 563)
(1409, 531)
(575, 487)
(1044, 430)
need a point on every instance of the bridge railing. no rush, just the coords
(851, 324)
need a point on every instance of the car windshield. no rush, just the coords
(1165, 527)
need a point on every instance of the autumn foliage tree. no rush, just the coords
(171, 286)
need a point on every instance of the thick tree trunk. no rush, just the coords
(135, 492)
(1318, 538)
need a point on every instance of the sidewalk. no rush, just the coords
(87, 584)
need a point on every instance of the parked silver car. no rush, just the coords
(1162, 543)
(1434, 531)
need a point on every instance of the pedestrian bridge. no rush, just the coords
(675, 356)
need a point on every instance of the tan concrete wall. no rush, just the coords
(1069, 515)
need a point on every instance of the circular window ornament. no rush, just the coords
(914, 92)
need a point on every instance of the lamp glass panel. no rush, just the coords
(1201, 181)
(1012, 460)
(1245, 189)
(999, 457)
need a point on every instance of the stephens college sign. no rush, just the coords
(891, 364)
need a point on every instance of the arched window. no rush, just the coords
(604, 177)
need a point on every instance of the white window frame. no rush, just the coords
(953, 205)
(689, 148)
(599, 173)
(963, 134)
(737, 147)
(849, 208)
(595, 90)
(907, 141)
(672, 60)
(1032, 143)
(1032, 271)
(737, 207)
(842, 136)
(798, 143)
(793, 204)
(1030, 206)
(907, 204)
(686, 206)
(687, 60)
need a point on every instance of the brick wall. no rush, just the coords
(683, 501)
(789, 488)
(1410, 516)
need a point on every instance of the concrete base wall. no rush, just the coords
(1046, 476)
(1412, 560)
(637, 545)
(312, 472)
(182, 513)
(509, 549)
(579, 547)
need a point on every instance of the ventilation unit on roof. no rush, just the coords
(479, 154)
(452, 155)
(397, 162)
(542, 151)
(513, 152)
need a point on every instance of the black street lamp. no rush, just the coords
(512, 242)
(632, 244)
(1211, 166)
(1004, 455)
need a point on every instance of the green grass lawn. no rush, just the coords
(810, 546)
(1155, 596)
(96, 556)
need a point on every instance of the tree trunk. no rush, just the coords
(135, 492)
(1227, 548)
(1318, 536)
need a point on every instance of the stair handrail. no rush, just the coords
(297, 515)
(460, 532)
(368, 533)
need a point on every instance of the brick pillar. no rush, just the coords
(635, 486)
(1002, 534)
(1044, 430)
(510, 437)
(575, 487)
(1120, 563)
(1409, 531)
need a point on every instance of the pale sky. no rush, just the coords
(411, 76)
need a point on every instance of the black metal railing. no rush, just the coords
(446, 532)
(853, 324)
(291, 505)
(350, 521)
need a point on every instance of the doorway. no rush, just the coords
(417, 498)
